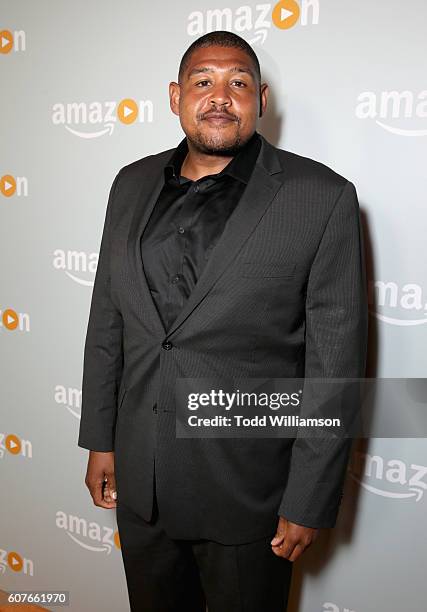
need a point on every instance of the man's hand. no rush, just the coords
(100, 479)
(292, 539)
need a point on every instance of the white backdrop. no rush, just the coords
(84, 90)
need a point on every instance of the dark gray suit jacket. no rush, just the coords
(283, 294)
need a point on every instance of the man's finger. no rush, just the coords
(278, 539)
(96, 491)
(110, 492)
(286, 548)
(297, 551)
(280, 532)
(109, 499)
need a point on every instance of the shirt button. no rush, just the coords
(167, 345)
(175, 278)
(155, 408)
(181, 230)
(196, 188)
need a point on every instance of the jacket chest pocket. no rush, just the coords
(254, 269)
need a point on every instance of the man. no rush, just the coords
(223, 257)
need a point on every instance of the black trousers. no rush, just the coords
(169, 575)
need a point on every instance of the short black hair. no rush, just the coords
(222, 38)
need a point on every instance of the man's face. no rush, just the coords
(219, 99)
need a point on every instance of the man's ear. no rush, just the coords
(263, 96)
(174, 95)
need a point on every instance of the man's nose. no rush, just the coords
(220, 95)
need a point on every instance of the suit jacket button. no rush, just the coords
(155, 408)
(167, 345)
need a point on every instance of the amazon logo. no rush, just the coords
(96, 119)
(254, 21)
(15, 562)
(11, 320)
(76, 264)
(70, 398)
(329, 606)
(12, 444)
(13, 186)
(398, 112)
(88, 534)
(402, 306)
(392, 478)
(15, 41)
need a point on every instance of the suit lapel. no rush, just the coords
(259, 193)
(143, 208)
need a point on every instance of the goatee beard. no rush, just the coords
(203, 145)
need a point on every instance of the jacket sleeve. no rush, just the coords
(336, 344)
(103, 353)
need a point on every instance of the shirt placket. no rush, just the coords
(183, 236)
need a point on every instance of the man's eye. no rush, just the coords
(240, 83)
(200, 82)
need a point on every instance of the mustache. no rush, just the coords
(218, 113)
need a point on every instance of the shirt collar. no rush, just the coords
(240, 167)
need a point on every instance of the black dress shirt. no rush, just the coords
(186, 223)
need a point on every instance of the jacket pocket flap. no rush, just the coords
(256, 268)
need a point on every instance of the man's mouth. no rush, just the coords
(218, 118)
